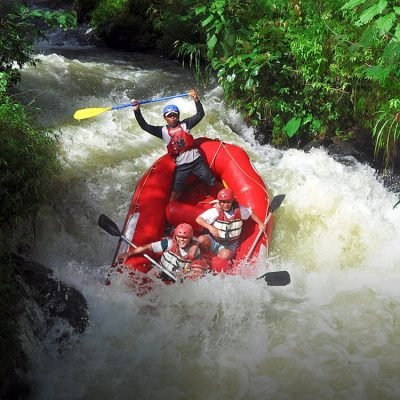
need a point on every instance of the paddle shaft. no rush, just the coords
(275, 204)
(94, 111)
(154, 262)
(260, 232)
(150, 101)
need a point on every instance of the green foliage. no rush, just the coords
(126, 24)
(292, 126)
(28, 160)
(194, 54)
(4, 82)
(106, 11)
(220, 23)
(379, 37)
(19, 30)
(386, 131)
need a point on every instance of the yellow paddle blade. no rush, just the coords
(90, 112)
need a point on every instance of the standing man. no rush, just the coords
(180, 143)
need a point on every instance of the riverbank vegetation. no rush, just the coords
(297, 71)
(28, 161)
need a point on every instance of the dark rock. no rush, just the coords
(315, 144)
(45, 301)
(53, 297)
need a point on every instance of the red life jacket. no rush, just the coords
(173, 260)
(231, 228)
(180, 141)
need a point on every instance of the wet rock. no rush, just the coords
(48, 305)
(54, 298)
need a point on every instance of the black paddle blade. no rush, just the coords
(278, 278)
(108, 225)
(276, 203)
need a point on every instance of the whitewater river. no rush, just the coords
(333, 333)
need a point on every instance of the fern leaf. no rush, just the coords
(352, 3)
(391, 53)
(378, 73)
(385, 23)
(369, 37)
(211, 42)
(371, 12)
(397, 33)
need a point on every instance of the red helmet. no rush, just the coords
(226, 194)
(184, 230)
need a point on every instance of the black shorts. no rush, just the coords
(198, 168)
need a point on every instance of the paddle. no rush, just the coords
(277, 278)
(111, 227)
(85, 113)
(273, 206)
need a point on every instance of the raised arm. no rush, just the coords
(195, 119)
(152, 129)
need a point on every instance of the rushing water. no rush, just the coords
(333, 333)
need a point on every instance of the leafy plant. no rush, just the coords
(292, 126)
(379, 36)
(195, 54)
(19, 30)
(28, 160)
(386, 131)
(105, 12)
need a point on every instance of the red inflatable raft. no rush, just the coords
(151, 213)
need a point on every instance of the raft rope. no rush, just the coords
(215, 155)
(222, 144)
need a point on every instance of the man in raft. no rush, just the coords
(181, 255)
(180, 143)
(224, 222)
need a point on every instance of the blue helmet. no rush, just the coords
(170, 108)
